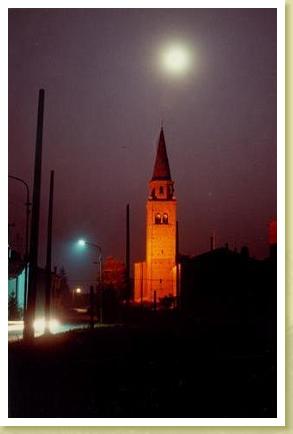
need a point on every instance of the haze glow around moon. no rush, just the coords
(176, 59)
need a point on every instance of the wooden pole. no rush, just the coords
(49, 256)
(127, 254)
(28, 332)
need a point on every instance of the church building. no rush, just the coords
(155, 278)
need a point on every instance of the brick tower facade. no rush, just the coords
(156, 277)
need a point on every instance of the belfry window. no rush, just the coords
(158, 219)
(161, 190)
(165, 218)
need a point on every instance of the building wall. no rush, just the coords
(114, 273)
(16, 287)
(140, 282)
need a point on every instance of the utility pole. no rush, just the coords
(26, 258)
(92, 307)
(10, 227)
(27, 213)
(178, 294)
(49, 256)
(127, 254)
(28, 332)
(213, 242)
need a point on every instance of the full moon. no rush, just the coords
(176, 59)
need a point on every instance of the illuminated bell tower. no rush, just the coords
(161, 229)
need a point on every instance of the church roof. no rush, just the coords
(161, 167)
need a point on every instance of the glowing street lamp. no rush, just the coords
(75, 293)
(82, 243)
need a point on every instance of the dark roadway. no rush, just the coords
(163, 367)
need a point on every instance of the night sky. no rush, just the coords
(106, 94)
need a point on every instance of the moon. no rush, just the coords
(176, 59)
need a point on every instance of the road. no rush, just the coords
(15, 329)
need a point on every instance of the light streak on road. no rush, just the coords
(15, 329)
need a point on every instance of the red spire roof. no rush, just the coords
(161, 167)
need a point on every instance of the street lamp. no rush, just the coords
(81, 242)
(84, 243)
(27, 204)
(75, 291)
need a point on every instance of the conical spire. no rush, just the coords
(161, 168)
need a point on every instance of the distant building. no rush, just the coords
(114, 274)
(16, 286)
(223, 284)
(156, 276)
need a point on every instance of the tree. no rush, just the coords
(14, 312)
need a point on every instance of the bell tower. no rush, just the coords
(158, 272)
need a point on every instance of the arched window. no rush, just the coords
(165, 218)
(161, 190)
(158, 219)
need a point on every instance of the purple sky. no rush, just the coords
(105, 97)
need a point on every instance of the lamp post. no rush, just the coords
(27, 205)
(84, 243)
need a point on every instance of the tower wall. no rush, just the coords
(158, 273)
(161, 248)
